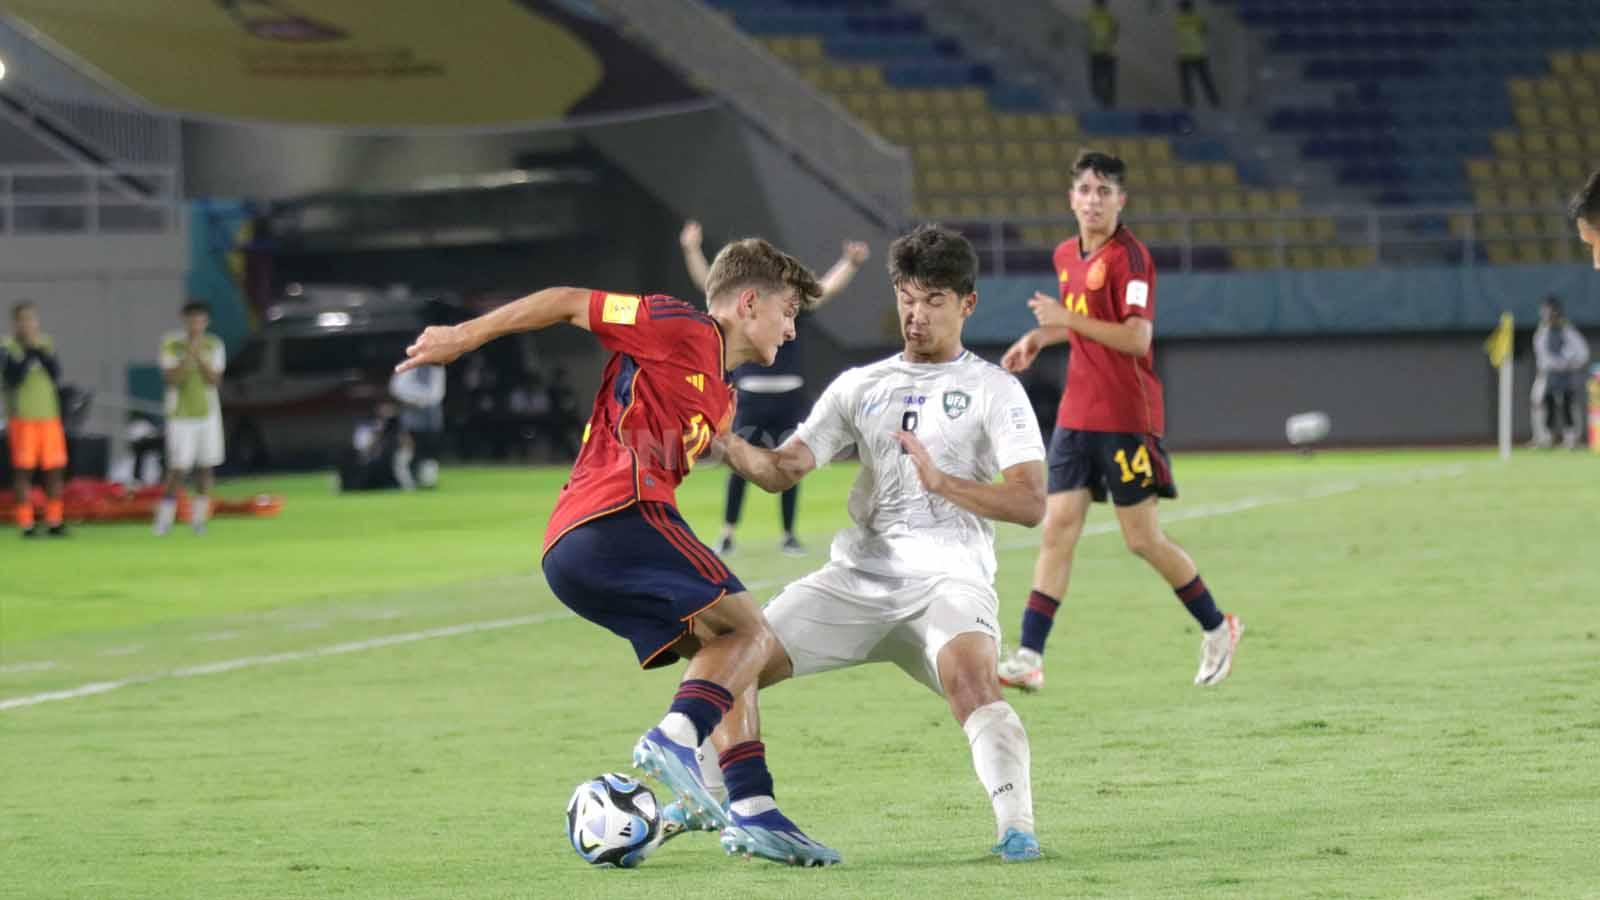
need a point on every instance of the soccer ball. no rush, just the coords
(613, 820)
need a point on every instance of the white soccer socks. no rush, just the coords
(166, 514)
(711, 771)
(1001, 757)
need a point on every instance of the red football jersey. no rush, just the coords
(1108, 390)
(662, 399)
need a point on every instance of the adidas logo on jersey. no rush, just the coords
(698, 380)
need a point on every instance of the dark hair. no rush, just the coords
(1105, 165)
(1585, 203)
(934, 257)
(18, 308)
(1553, 303)
(753, 262)
(195, 306)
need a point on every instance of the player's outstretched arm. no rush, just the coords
(774, 471)
(442, 344)
(1018, 498)
(694, 256)
(844, 271)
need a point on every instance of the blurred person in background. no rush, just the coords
(31, 376)
(192, 361)
(1560, 355)
(1194, 54)
(772, 400)
(1103, 29)
(420, 395)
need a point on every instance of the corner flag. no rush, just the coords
(1498, 346)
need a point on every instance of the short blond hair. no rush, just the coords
(753, 262)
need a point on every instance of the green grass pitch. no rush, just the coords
(376, 696)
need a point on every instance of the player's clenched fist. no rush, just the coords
(436, 346)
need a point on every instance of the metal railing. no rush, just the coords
(1302, 238)
(67, 200)
(808, 124)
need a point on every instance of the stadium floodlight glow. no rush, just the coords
(333, 320)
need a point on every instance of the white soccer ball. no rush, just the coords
(613, 820)
(1307, 428)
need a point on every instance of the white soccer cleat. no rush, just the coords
(1023, 669)
(1217, 650)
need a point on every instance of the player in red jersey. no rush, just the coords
(1109, 425)
(616, 551)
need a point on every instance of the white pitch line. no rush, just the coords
(249, 662)
(39, 666)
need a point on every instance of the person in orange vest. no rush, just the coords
(32, 375)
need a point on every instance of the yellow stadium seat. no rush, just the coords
(1493, 226)
(1506, 143)
(1564, 63)
(1540, 170)
(1033, 234)
(1548, 196)
(1020, 181)
(1167, 202)
(1043, 153)
(997, 208)
(1193, 176)
(1361, 257)
(982, 126)
(1038, 126)
(869, 78)
(970, 208)
(1008, 127)
(1331, 257)
(1487, 198)
(1591, 144)
(1588, 117)
(1528, 115)
(932, 181)
(1525, 226)
(1164, 176)
(958, 154)
(914, 101)
(1556, 225)
(1591, 62)
(927, 155)
(1480, 169)
(1294, 229)
(1518, 198)
(922, 129)
(1508, 169)
(944, 100)
(1558, 115)
(859, 105)
(1323, 229)
(1530, 252)
(1206, 231)
(1582, 90)
(1569, 169)
(973, 99)
(1057, 205)
(991, 181)
(895, 129)
(1230, 202)
(1535, 144)
(942, 208)
(1460, 224)
(890, 103)
(1029, 207)
(1303, 258)
(1567, 144)
(1264, 229)
(1259, 201)
(1201, 203)
(1552, 90)
(1223, 175)
(1244, 260)
(1064, 125)
(1158, 150)
(1521, 89)
(1502, 253)
(985, 154)
(1236, 230)
(964, 181)
(779, 47)
(952, 128)
(1013, 154)
(1288, 198)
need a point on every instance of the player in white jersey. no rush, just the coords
(912, 582)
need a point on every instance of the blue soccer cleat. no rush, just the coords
(678, 767)
(771, 835)
(676, 819)
(1017, 846)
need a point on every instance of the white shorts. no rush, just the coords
(839, 617)
(194, 443)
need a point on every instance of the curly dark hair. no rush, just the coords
(934, 257)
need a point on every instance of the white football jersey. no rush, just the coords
(975, 420)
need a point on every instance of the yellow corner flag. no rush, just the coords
(1498, 346)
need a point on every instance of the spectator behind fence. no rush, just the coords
(1560, 355)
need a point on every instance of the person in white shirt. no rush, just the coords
(912, 583)
(1560, 355)
(420, 393)
(192, 361)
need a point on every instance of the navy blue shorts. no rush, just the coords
(641, 573)
(767, 420)
(1131, 468)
